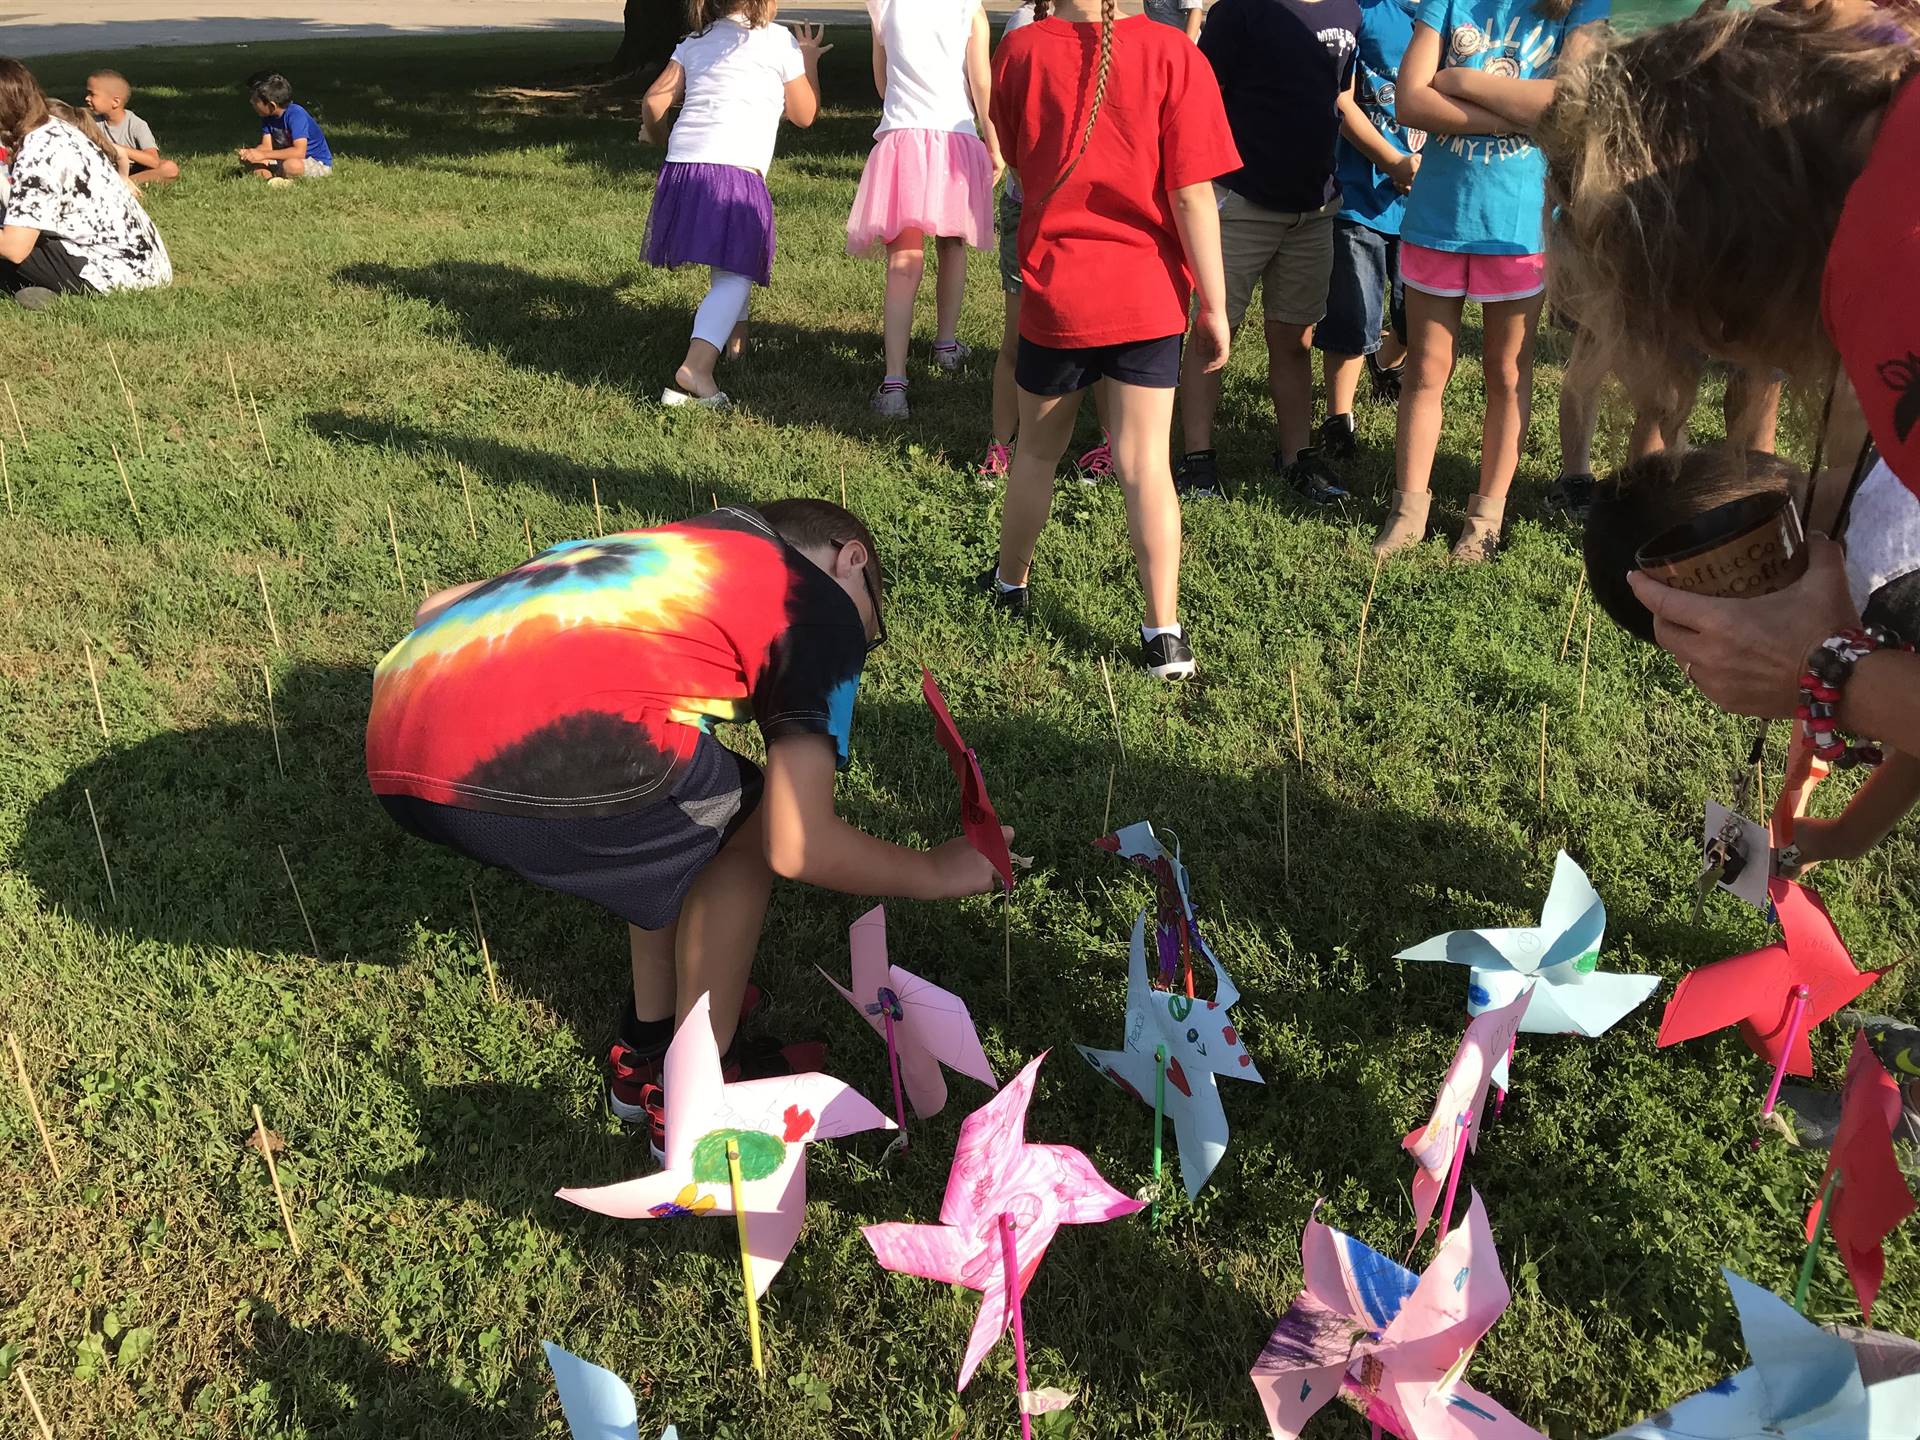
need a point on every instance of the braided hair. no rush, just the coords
(1041, 10)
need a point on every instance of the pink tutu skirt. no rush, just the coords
(936, 181)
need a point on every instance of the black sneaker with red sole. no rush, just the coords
(633, 1072)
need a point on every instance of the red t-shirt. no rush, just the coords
(1871, 294)
(1100, 258)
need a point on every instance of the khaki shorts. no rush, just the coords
(1290, 256)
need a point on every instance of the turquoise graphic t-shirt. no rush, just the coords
(1484, 194)
(1370, 197)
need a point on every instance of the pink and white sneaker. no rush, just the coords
(1097, 464)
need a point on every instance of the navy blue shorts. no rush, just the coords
(1365, 289)
(639, 864)
(1045, 370)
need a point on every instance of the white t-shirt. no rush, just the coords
(64, 186)
(926, 44)
(1883, 535)
(736, 93)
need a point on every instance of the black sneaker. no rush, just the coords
(1385, 380)
(1312, 477)
(1167, 657)
(1014, 601)
(1573, 494)
(1336, 437)
(1196, 476)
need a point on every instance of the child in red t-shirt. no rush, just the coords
(1118, 228)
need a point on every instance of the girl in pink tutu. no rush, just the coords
(931, 172)
(733, 79)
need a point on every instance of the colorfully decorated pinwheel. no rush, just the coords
(1176, 933)
(1440, 1146)
(772, 1120)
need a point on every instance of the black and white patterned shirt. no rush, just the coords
(64, 186)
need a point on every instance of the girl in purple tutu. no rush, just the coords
(733, 79)
(931, 172)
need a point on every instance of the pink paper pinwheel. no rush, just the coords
(773, 1120)
(1392, 1344)
(1440, 1145)
(923, 1025)
(996, 1173)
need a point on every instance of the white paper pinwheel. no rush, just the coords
(774, 1120)
(931, 1026)
(1805, 1383)
(1455, 1121)
(598, 1404)
(1555, 960)
(1392, 1344)
(1176, 931)
(997, 1174)
(1201, 1043)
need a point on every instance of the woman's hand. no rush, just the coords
(1747, 656)
(808, 38)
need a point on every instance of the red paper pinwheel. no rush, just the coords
(977, 819)
(1868, 1194)
(1755, 990)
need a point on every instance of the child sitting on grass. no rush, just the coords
(557, 721)
(107, 96)
(292, 146)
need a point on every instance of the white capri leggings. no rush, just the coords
(725, 307)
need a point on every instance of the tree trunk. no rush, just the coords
(653, 28)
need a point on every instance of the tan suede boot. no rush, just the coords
(1406, 522)
(1480, 536)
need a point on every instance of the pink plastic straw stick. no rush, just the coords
(1453, 1178)
(1794, 1017)
(1373, 1430)
(1019, 1326)
(893, 1064)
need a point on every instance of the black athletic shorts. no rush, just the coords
(1045, 370)
(638, 864)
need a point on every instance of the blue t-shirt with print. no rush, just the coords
(1484, 194)
(294, 123)
(1372, 199)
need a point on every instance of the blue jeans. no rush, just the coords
(1366, 278)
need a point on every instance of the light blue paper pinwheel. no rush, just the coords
(1555, 959)
(598, 1404)
(1805, 1383)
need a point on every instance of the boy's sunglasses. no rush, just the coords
(873, 598)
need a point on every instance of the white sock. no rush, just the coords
(1150, 633)
(1002, 586)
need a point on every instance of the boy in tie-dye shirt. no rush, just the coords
(557, 721)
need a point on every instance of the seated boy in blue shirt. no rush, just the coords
(291, 146)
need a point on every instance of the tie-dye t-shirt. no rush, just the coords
(580, 682)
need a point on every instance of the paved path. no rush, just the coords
(49, 27)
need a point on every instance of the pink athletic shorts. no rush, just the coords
(1483, 278)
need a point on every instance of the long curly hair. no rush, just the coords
(1699, 170)
(1108, 13)
(23, 107)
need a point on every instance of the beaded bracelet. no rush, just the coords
(1829, 667)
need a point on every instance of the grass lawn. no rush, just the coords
(462, 305)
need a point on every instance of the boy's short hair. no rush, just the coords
(126, 88)
(803, 522)
(1639, 501)
(270, 88)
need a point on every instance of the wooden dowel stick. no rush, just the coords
(1586, 647)
(25, 448)
(1360, 642)
(311, 940)
(843, 487)
(5, 478)
(33, 1104)
(1009, 945)
(273, 1174)
(132, 504)
(1106, 816)
(112, 893)
(1299, 736)
(93, 678)
(1286, 840)
(1543, 754)
(1113, 707)
(273, 722)
(267, 600)
(33, 1403)
(1579, 589)
(139, 437)
(260, 428)
(529, 526)
(467, 494)
(486, 955)
(393, 534)
(599, 520)
(233, 379)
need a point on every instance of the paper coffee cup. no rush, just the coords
(1751, 546)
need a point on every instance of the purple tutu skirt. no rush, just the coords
(719, 215)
